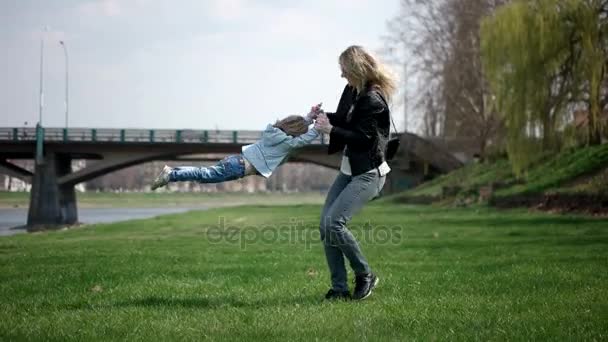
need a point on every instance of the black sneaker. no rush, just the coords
(364, 284)
(337, 295)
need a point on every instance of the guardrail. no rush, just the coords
(135, 135)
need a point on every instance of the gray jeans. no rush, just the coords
(345, 198)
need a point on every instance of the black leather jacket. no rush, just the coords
(365, 132)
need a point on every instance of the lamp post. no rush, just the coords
(65, 51)
(41, 99)
(404, 97)
(39, 129)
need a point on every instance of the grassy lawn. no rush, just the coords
(446, 274)
(553, 174)
(164, 199)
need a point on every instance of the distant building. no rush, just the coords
(8, 183)
(581, 118)
(581, 122)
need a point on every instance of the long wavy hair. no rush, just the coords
(362, 68)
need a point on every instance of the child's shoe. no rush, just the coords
(163, 178)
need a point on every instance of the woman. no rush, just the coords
(360, 128)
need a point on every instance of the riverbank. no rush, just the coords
(573, 181)
(170, 199)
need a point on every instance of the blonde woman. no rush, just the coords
(360, 130)
(261, 158)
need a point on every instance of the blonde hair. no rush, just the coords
(362, 67)
(293, 125)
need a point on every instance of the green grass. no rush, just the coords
(594, 184)
(447, 274)
(164, 199)
(559, 170)
(551, 174)
(469, 176)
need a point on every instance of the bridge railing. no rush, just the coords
(52, 134)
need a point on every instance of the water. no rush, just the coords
(15, 217)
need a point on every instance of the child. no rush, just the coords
(261, 158)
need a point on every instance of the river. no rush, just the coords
(15, 217)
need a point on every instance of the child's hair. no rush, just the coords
(293, 125)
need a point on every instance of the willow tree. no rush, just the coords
(541, 55)
(588, 23)
(523, 50)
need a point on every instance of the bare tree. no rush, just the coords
(441, 41)
(432, 117)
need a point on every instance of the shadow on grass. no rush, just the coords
(218, 302)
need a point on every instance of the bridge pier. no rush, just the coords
(50, 203)
(67, 192)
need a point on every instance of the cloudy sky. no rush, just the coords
(227, 64)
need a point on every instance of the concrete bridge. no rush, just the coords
(53, 197)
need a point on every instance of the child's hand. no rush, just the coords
(315, 111)
(317, 108)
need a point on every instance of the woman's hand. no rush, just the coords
(322, 124)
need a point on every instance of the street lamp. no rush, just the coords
(46, 29)
(65, 51)
(39, 129)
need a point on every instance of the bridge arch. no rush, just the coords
(53, 199)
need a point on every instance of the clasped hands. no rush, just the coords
(322, 122)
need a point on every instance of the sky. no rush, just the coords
(180, 64)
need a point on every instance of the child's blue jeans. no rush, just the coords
(227, 169)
